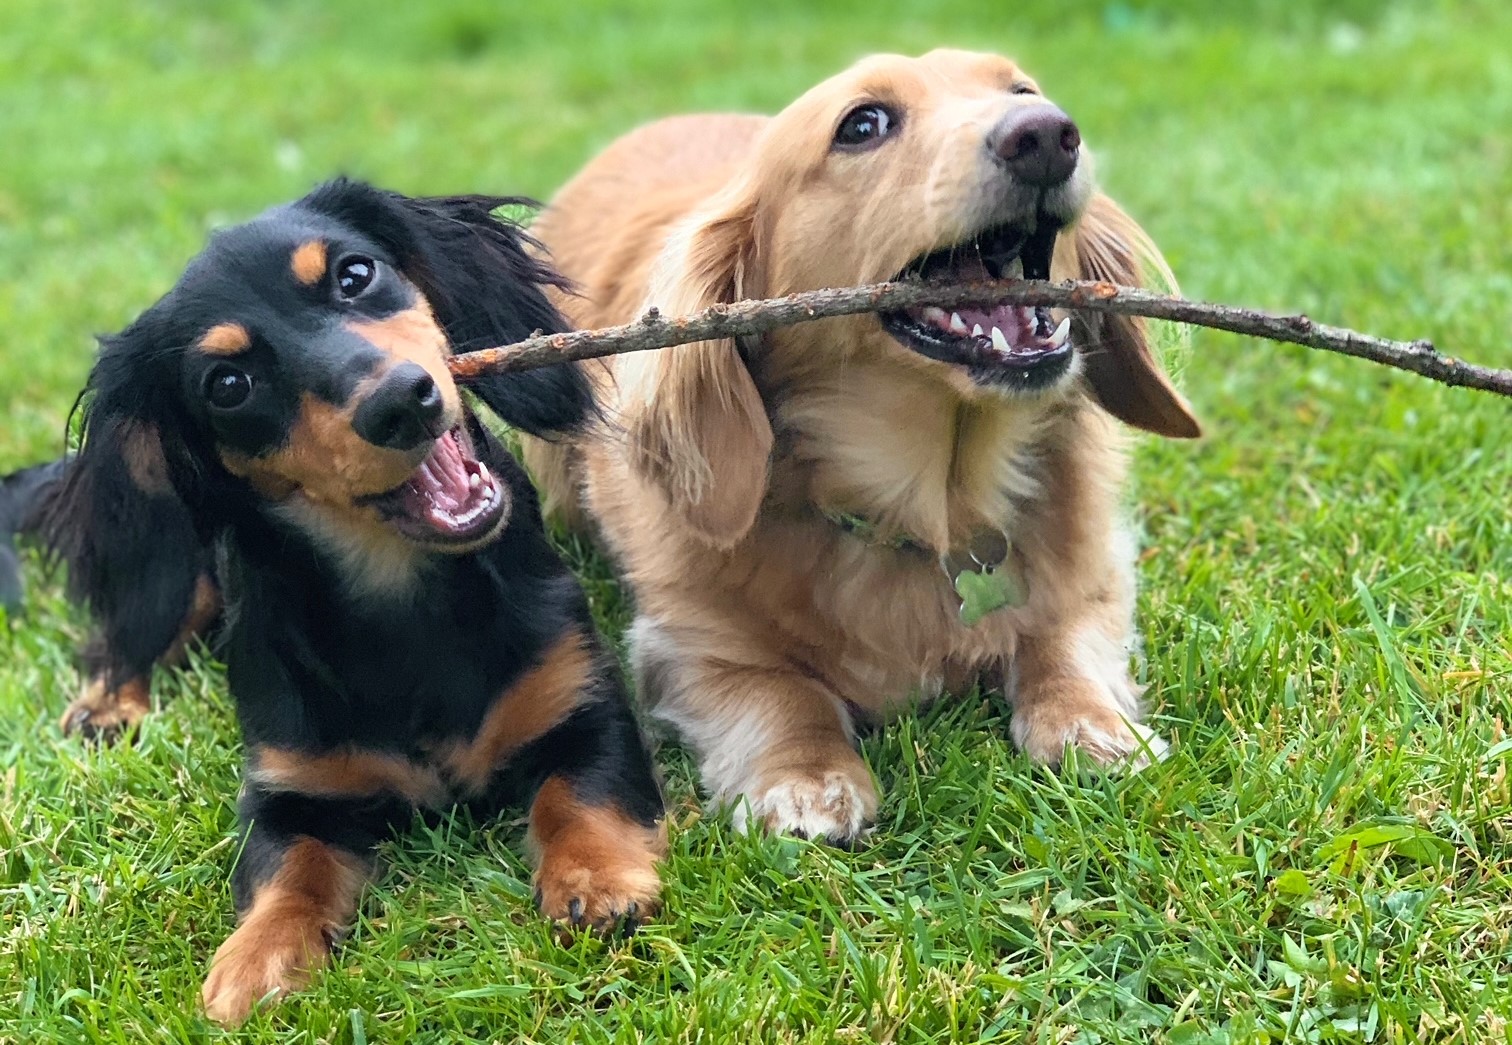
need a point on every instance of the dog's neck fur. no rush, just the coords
(373, 568)
(901, 449)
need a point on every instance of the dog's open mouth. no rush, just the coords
(452, 498)
(998, 344)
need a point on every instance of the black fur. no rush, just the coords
(137, 569)
(319, 662)
(469, 266)
(21, 497)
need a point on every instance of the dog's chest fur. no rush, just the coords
(315, 664)
(925, 470)
(905, 454)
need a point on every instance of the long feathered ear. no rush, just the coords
(695, 422)
(119, 516)
(1106, 244)
(484, 285)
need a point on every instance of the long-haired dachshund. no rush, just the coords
(822, 524)
(399, 633)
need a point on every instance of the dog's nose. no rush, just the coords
(403, 411)
(1038, 144)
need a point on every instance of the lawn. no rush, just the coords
(1327, 582)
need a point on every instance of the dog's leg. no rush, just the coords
(595, 862)
(596, 822)
(1068, 679)
(103, 711)
(565, 732)
(1073, 688)
(772, 743)
(296, 893)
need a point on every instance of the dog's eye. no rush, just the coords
(865, 126)
(354, 274)
(1022, 88)
(227, 387)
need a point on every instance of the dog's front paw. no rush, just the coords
(101, 713)
(1044, 731)
(258, 960)
(595, 865)
(836, 802)
(601, 886)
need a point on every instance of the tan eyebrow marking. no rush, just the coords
(225, 339)
(309, 262)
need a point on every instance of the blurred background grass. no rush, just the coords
(1327, 584)
(129, 130)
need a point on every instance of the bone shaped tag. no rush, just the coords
(984, 577)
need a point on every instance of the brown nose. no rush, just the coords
(1038, 144)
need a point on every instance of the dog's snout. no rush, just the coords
(404, 411)
(1038, 145)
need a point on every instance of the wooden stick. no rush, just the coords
(758, 317)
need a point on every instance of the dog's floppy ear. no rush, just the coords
(696, 425)
(1106, 244)
(483, 284)
(119, 516)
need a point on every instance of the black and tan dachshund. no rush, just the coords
(398, 632)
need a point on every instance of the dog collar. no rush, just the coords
(983, 573)
(867, 531)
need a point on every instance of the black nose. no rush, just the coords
(1038, 144)
(403, 411)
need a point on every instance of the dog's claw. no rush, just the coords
(104, 715)
(81, 724)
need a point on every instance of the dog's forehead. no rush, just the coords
(263, 267)
(904, 79)
(270, 248)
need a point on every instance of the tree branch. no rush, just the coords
(757, 317)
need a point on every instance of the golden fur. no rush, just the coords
(762, 624)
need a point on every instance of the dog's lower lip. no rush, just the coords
(451, 498)
(990, 354)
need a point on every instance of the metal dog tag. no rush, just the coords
(983, 577)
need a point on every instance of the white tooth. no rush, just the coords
(1016, 268)
(957, 324)
(475, 480)
(1000, 342)
(1061, 332)
(934, 315)
(976, 331)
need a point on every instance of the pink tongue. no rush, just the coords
(443, 476)
(1006, 318)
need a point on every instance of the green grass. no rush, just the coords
(1327, 595)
